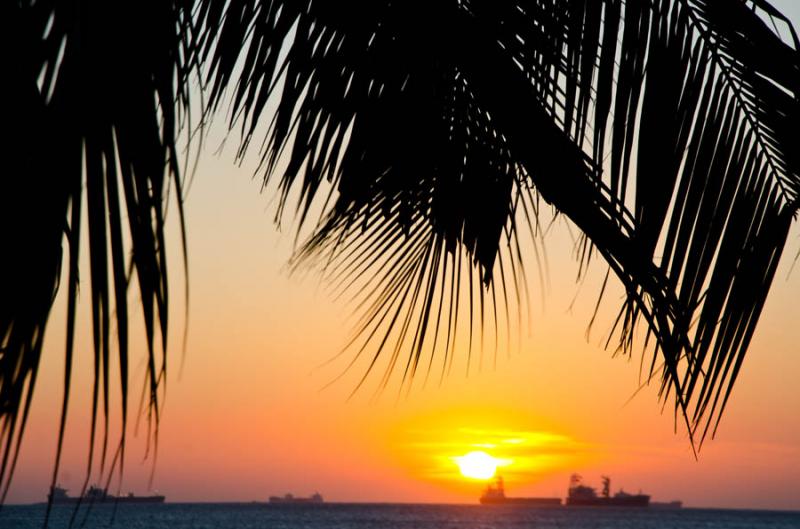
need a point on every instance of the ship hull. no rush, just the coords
(533, 502)
(639, 500)
(279, 500)
(115, 500)
(666, 505)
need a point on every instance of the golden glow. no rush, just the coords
(477, 465)
(441, 448)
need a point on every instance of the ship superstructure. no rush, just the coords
(581, 495)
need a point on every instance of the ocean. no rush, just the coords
(388, 516)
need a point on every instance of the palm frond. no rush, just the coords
(710, 98)
(662, 129)
(97, 106)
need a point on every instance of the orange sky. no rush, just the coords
(248, 417)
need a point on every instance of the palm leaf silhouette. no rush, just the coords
(663, 129)
(96, 119)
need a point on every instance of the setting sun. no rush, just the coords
(477, 465)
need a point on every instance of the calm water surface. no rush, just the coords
(389, 516)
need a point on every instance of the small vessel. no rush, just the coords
(289, 498)
(666, 504)
(495, 494)
(58, 495)
(581, 495)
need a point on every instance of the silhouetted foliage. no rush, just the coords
(94, 116)
(663, 129)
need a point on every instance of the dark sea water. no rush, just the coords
(390, 516)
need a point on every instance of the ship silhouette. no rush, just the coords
(581, 495)
(495, 494)
(289, 498)
(58, 495)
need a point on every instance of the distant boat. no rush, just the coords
(666, 504)
(495, 494)
(581, 495)
(289, 498)
(58, 495)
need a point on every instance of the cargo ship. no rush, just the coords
(495, 494)
(581, 495)
(289, 498)
(58, 495)
(666, 504)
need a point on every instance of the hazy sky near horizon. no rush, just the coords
(249, 412)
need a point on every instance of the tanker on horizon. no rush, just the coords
(581, 495)
(58, 495)
(290, 498)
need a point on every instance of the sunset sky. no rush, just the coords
(255, 408)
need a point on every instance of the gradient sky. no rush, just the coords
(249, 413)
